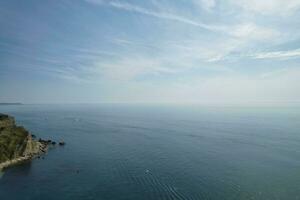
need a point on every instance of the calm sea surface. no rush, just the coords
(118, 152)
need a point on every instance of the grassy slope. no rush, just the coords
(13, 142)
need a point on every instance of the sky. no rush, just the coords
(150, 51)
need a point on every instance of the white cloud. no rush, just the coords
(161, 15)
(269, 7)
(205, 51)
(278, 54)
(186, 55)
(205, 4)
(128, 68)
(246, 31)
(251, 31)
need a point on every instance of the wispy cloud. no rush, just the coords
(207, 5)
(269, 7)
(251, 31)
(271, 55)
(157, 50)
(161, 15)
(246, 31)
(290, 54)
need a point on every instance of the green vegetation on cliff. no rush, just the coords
(13, 139)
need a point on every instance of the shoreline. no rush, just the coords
(17, 145)
(41, 149)
(13, 162)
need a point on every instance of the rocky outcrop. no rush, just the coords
(16, 143)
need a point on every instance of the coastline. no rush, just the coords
(25, 146)
(18, 145)
(34, 149)
(13, 162)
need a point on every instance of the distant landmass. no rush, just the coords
(10, 104)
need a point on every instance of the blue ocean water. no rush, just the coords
(159, 152)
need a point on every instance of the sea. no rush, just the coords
(158, 152)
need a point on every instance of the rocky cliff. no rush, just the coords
(16, 143)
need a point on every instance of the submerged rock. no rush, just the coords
(62, 143)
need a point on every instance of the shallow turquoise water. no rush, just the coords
(158, 152)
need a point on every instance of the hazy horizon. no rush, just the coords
(207, 52)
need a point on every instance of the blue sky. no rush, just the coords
(167, 51)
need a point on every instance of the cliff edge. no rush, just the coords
(16, 143)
